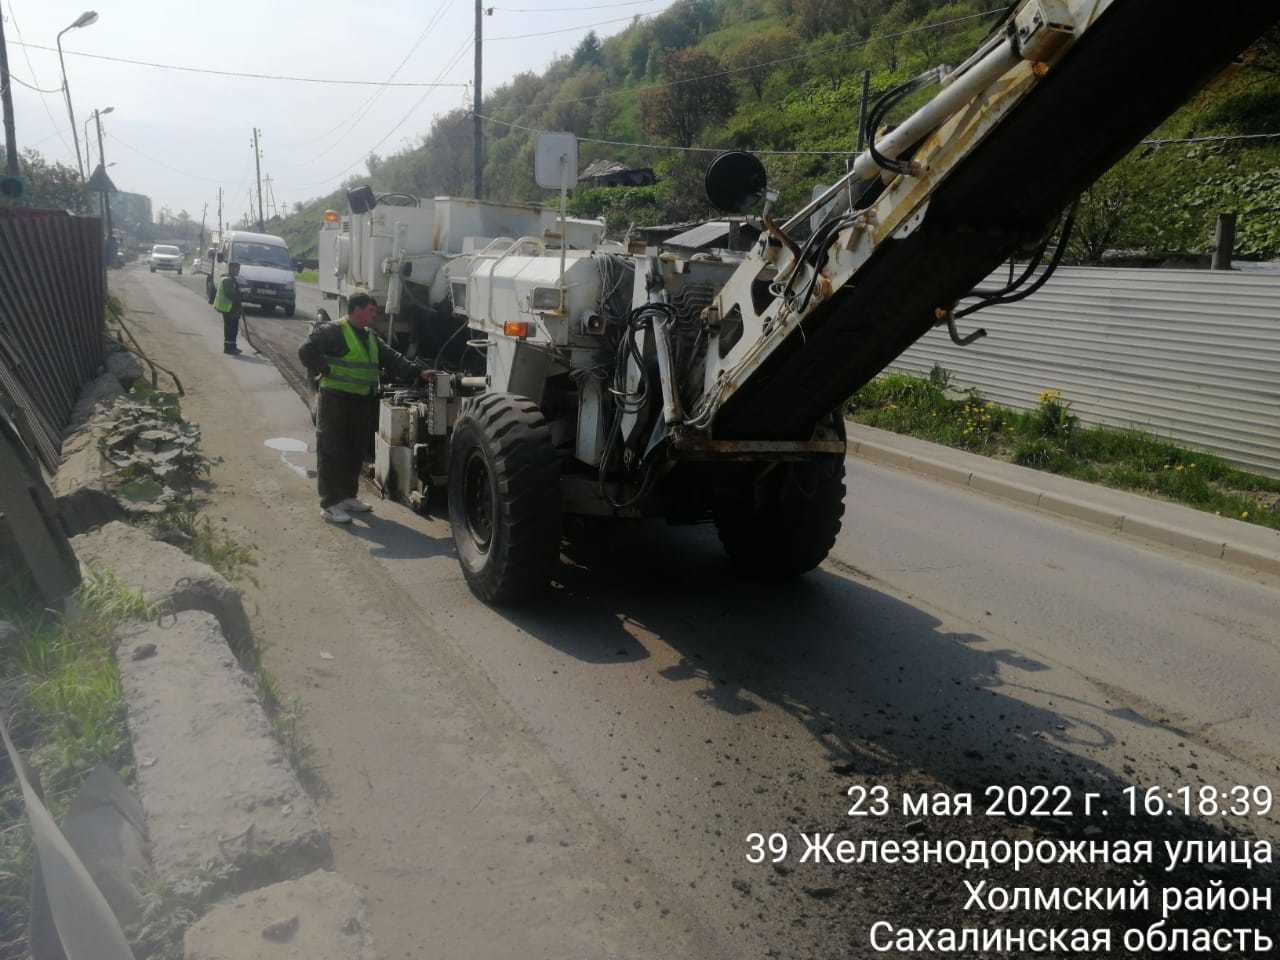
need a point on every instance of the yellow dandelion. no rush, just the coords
(1244, 515)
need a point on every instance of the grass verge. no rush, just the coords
(1051, 438)
(308, 276)
(62, 695)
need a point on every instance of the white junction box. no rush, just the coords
(393, 469)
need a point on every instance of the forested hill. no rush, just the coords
(787, 75)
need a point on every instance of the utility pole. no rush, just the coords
(257, 164)
(10, 138)
(219, 214)
(862, 112)
(478, 159)
(106, 201)
(203, 215)
(271, 197)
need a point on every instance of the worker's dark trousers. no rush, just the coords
(344, 434)
(230, 328)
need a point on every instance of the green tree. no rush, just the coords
(812, 18)
(694, 98)
(587, 52)
(54, 186)
(887, 45)
(756, 53)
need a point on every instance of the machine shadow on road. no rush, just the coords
(891, 693)
(391, 540)
(874, 679)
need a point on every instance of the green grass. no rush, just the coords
(308, 276)
(67, 717)
(1050, 438)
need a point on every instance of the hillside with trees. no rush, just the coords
(787, 76)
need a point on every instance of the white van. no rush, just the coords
(266, 270)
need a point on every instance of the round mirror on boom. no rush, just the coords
(736, 182)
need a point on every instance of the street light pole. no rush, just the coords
(88, 154)
(106, 200)
(86, 18)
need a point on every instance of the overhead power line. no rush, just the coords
(351, 121)
(458, 54)
(593, 6)
(239, 74)
(1222, 139)
(115, 138)
(670, 146)
(547, 33)
(43, 101)
(833, 153)
(32, 86)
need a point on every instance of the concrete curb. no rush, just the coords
(1134, 527)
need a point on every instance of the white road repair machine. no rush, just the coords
(571, 377)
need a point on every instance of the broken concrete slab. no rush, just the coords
(224, 809)
(80, 485)
(103, 389)
(319, 917)
(165, 575)
(125, 367)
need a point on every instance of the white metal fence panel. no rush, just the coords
(1191, 355)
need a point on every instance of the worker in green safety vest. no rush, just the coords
(227, 302)
(349, 358)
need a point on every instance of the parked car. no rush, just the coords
(266, 270)
(165, 257)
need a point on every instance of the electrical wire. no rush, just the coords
(235, 73)
(115, 138)
(594, 6)
(1223, 139)
(1012, 294)
(31, 86)
(353, 120)
(44, 102)
(418, 103)
(547, 33)
(669, 146)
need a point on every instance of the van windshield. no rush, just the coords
(261, 255)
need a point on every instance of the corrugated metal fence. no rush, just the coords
(1191, 355)
(51, 318)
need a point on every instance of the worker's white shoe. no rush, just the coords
(353, 505)
(335, 514)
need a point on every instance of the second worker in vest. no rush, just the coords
(348, 356)
(227, 302)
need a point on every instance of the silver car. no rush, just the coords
(165, 257)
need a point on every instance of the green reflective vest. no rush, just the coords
(223, 302)
(357, 371)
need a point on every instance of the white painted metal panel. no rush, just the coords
(1192, 355)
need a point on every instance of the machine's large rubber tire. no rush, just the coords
(504, 497)
(791, 526)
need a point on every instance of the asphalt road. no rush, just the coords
(579, 778)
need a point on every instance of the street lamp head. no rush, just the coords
(105, 110)
(86, 18)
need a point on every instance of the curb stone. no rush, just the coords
(224, 808)
(319, 917)
(165, 575)
(1117, 521)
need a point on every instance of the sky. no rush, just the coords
(177, 136)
